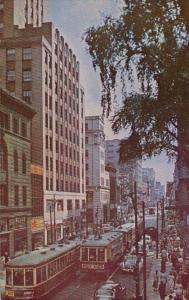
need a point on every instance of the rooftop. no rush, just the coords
(103, 241)
(38, 257)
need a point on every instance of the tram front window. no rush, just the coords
(84, 254)
(18, 277)
(29, 277)
(92, 254)
(8, 277)
(101, 254)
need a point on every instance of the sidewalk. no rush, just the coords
(151, 295)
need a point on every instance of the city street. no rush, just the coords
(83, 287)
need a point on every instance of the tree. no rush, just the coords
(149, 42)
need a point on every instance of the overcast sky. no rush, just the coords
(72, 18)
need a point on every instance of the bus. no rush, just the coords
(100, 255)
(36, 274)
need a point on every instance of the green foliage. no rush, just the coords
(148, 42)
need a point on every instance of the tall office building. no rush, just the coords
(37, 65)
(128, 172)
(97, 178)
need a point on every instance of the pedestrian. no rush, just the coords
(162, 287)
(179, 290)
(6, 257)
(155, 281)
(163, 277)
(184, 281)
(171, 282)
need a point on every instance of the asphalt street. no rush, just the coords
(83, 286)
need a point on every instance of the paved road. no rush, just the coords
(82, 286)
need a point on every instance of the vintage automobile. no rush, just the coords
(110, 290)
(129, 264)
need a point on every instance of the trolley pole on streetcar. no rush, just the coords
(144, 252)
(157, 233)
(136, 241)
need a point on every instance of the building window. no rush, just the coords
(15, 161)
(69, 204)
(23, 129)
(11, 54)
(4, 120)
(60, 205)
(27, 96)
(83, 204)
(47, 163)
(46, 141)
(27, 75)
(16, 195)
(47, 183)
(15, 126)
(24, 195)
(46, 57)
(77, 206)
(23, 163)
(3, 195)
(27, 53)
(11, 75)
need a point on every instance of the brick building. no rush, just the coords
(15, 174)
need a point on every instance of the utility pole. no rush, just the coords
(144, 252)
(162, 215)
(54, 206)
(136, 241)
(157, 225)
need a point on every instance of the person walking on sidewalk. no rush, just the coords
(171, 282)
(162, 290)
(155, 281)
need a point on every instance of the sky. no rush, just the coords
(72, 18)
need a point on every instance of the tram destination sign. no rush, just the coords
(93, 266)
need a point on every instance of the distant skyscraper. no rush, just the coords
(97, 178)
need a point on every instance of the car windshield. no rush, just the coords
(130, 262)
(105, 292)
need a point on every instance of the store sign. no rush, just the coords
(37, 170)
(37, 224)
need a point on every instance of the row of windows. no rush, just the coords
(72, 104)
(48, 60)
(60, 205)
(49, 123)
(5, 124)
(26, 75)
(69, 187)
(17, 191)
(26, 54)
(25, 277)
(49, 145)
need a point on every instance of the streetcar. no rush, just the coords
(100, 255)
(128, 231)
(36, 274)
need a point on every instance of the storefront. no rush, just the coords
(37, 226)
(20, 235)
(4, 243)
(20, 241)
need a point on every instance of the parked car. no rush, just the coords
(110, 290)
(130, 262)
